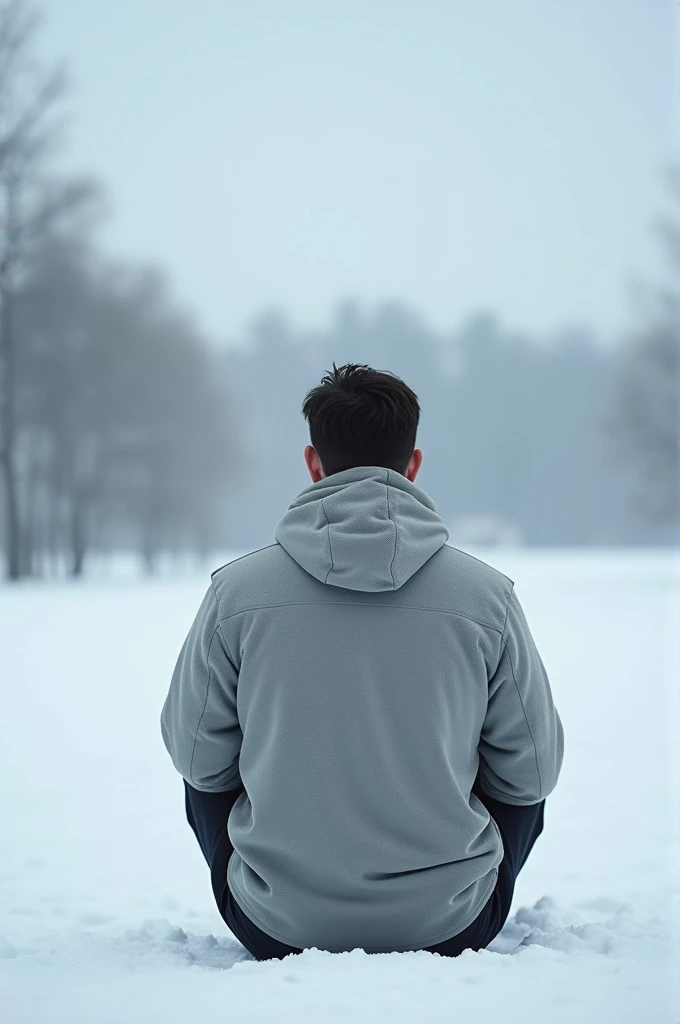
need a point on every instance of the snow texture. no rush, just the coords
(106, 913)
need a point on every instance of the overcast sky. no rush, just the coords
(450, 153)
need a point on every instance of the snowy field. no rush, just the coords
(106, 913)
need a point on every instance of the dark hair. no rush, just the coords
(359, 416)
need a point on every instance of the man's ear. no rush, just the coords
(414, 464)
(313, 463)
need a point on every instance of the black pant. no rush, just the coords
(208, 814)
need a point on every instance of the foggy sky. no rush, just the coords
(451, 153)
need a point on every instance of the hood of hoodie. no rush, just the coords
(367, 528)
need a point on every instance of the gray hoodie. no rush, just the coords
(356, 676)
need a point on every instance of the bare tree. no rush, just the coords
(30, 204)
(57, 395)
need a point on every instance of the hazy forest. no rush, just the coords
(123, 428)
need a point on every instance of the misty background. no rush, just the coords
(202, 206)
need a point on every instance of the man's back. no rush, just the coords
(357, 677)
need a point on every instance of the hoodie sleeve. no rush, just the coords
(522, 741)
(199, 721)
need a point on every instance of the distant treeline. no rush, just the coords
(565, 440)
(123, 428)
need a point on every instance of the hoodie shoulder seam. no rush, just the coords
(486, 565)
(241, 557)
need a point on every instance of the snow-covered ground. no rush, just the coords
(106, 913)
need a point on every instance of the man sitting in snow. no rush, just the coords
(363, 722)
